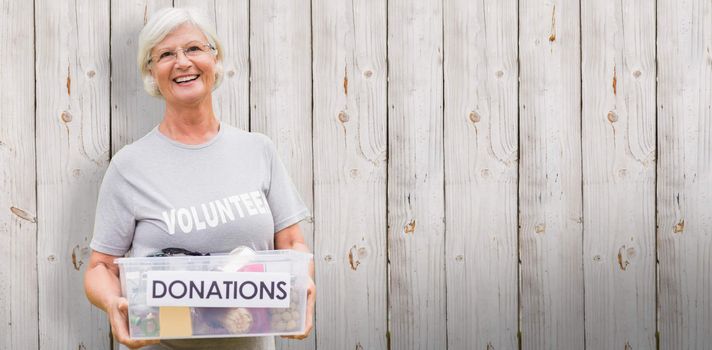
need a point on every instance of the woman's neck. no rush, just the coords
(191, 125)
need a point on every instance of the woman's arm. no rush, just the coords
(103, 289)
(291, 238)
(101, 280)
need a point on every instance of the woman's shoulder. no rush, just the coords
(252, 138)
(131, 153)
(124, 157)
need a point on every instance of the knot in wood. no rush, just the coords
(679, 227)
(66, 117)
(475, 117)
(343, 117)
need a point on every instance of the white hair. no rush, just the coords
(162, 23)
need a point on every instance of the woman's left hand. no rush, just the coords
(309, 322)
(291, 238)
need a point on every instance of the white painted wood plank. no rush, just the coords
(18, 224)
(280, 98)
(231, 19)
(684, 174)
(481, 143)
(133, 111)
(350, 172)
(416, 222)
(72, 68)
(618, 140)
(551, 294)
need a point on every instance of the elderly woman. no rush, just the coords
(187, 162)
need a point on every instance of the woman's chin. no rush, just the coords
(185, 95)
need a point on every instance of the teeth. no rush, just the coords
(186, 78)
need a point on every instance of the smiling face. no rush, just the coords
(187, 79)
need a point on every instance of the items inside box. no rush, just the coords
(206, 321)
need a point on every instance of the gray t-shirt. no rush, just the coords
(230, 191)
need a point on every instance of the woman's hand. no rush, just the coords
(101, 283)
(309, 322)
(291, 238)
(117, 311)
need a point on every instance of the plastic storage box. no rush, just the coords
(254, 294)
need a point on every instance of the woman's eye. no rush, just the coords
(165, 54)
(193, 49)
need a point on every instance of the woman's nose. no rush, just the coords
(182, 60)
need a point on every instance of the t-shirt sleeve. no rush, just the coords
(282, 196)
(114, 222)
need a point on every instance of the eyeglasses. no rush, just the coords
(192, 49)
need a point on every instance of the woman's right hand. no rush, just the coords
(118, 310)
(103, 288)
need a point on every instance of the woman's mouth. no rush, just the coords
(185, 79)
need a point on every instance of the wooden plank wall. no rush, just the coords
(416, 205)
(482, 175)
(349, 118)
(481, 143)
(550, 221)
(618, 130)
(72, 138)
(18, 218)
(684, 183)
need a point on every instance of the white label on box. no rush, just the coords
(217, 289)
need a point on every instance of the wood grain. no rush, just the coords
(551, 287)
(416, 218)
(72, 121)
(350, 172)
(684, 183)
(18, 208)
(618, 139)
(481, 174)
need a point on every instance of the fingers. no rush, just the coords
(295, 337)
(311, 299)
(137, 344)
(309, 322)
(123, 306)
(118, 316)
(118, 319)
(123, 338)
